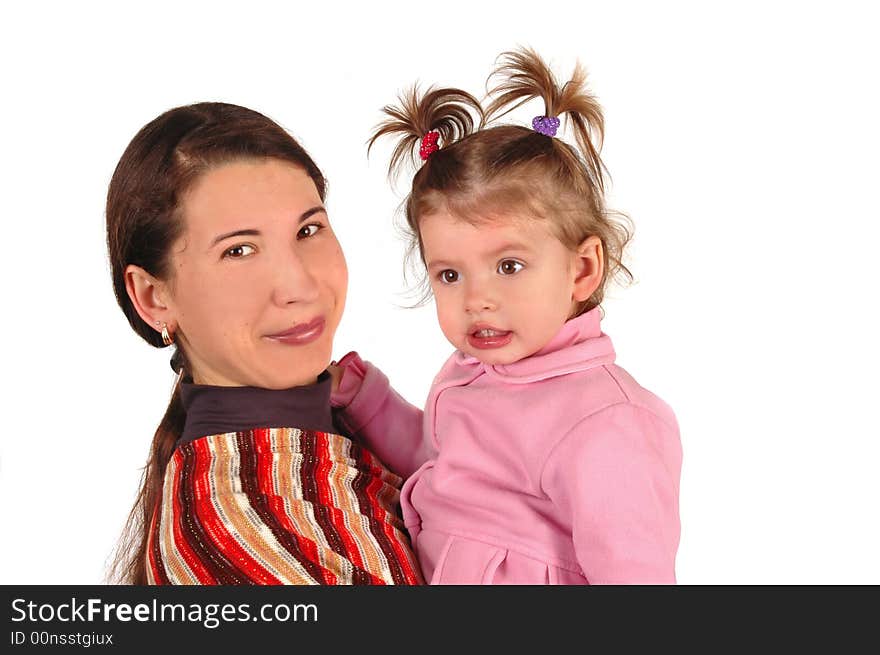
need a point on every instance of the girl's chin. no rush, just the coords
(494, 358)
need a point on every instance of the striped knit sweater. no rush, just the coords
(278, 506)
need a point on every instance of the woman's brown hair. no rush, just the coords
(164, 159)
(487, 173)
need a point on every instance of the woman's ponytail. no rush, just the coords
(129, 566)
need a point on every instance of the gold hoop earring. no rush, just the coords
(167, 339)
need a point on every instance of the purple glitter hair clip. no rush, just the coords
(546, 125)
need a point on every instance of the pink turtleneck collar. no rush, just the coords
(578, 346)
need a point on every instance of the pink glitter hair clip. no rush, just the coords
(429, 145)
(546, 125)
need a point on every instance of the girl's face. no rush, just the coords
(503, 287)
(259, 280)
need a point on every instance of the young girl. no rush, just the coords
(537, 460)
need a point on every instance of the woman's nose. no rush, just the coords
(294, 281)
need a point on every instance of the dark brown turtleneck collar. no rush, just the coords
(217, 410)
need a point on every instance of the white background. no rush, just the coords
(742, 139)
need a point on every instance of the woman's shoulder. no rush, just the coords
(279, 505)
(271, 442)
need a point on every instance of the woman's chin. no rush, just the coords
(297, 373)
(279, 380)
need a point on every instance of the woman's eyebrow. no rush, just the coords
(311, 212)
(236, 233)
(255, 233)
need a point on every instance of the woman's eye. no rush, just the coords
(509, 267)
(307, 231)
(448, 276)
(239, 251)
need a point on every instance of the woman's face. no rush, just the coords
(259, 280)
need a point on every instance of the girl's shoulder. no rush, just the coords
(624, 387)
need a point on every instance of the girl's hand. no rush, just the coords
(335, 372)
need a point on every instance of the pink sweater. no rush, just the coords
(556, 469)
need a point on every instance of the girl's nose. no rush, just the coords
(294, 281)
(479, 298)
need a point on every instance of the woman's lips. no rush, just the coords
(300, 334)
(485, 338)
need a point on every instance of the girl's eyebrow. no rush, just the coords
(434, 263)
(509, 246)
(251, 232)
(505, 247)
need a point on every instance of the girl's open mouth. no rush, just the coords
(486, 338)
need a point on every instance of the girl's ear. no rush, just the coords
(589, 268)
(147, 294)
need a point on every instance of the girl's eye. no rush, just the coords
(448, 276)
(509, 267)
(309, 230)
(239, 251)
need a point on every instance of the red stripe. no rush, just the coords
(392, 535)
(396, 536)
(368, 506)
(215, 527)
(308, 547)
(367, 483)
(193, 561)
(154, 554)
(325, 494)
(308, 476)
(205, 542)
(257, 482)
(223, 570)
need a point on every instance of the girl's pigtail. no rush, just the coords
(522, 76)
(448, 112)
(418, 122)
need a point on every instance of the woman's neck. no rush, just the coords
(218, 410)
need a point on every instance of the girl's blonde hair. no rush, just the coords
(484, 173)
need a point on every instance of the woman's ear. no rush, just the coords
(589, 268)
(148, 295)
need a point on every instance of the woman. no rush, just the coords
(220, 244)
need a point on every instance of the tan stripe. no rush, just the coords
(388, 509)
(286, 486)
(342, 475)
(286, 464)
(243, 522)
(240, 519)
(175, 567)
(387, 497)
(301, 512)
